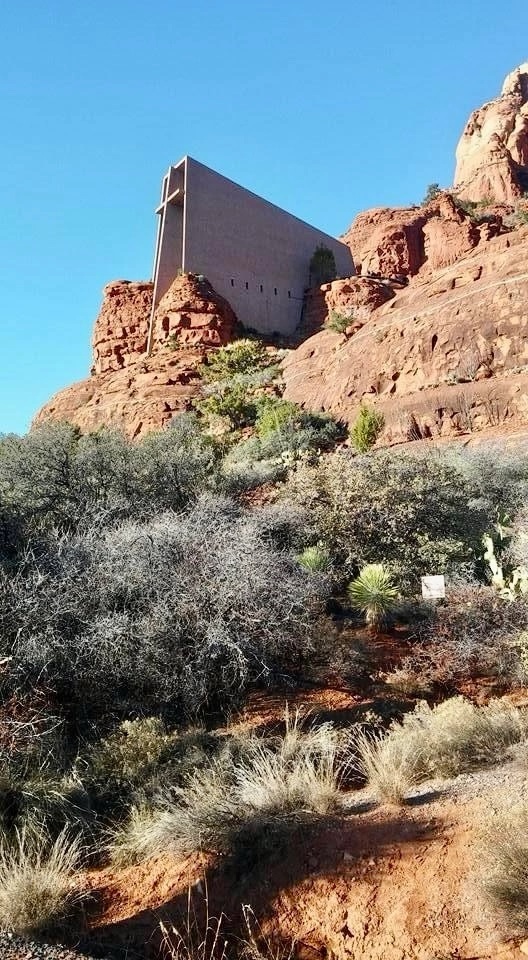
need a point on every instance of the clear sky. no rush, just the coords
(325, 108)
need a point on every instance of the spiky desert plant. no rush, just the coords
(36, 888)
(373, 593)
(314, 558)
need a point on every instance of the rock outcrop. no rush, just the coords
(129, 389)
(492, 154)
(405, 241)
(445, 356)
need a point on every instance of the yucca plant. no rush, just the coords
(315, 558)
(373, 593)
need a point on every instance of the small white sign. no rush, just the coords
(433, 588)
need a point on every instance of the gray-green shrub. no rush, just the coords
(182, 612)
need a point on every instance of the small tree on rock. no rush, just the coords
(322, 266)
(367, 427)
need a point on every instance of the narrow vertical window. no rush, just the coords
(261, 288)
(275, 291)
(247, 285)
(232, 282)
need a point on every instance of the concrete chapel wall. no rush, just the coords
(253, 253)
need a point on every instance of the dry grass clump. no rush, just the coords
(36, 890)
(441, 741)
(504, 850)
(250, 800)
(199, 936)
(408, 682)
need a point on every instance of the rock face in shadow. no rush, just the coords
(492, 154)
(129, 389)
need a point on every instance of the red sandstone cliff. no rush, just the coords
(409, 240)
(127, 388)
(444, 356)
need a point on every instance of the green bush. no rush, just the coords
(241, 356)
(367, 427)
(338, 322)
(273, 413)
(314, 558)
(233, 403)
(432, 192)
(413, 513)
(322, 266)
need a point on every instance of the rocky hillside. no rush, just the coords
(443, 356)
(435, 322)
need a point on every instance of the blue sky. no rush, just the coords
(323, 108)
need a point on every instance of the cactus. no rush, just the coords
(517, 583)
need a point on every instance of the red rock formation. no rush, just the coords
(121, 329)
(447, 355)
(128, 389)
(492, 154)
(192, 314)
(411, 240)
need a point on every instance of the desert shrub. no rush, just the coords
(36, 885)
(295, 436)
(407, 681)
(496, 478)
(45, 807)
(57, 477)
(11, 532)
(373, 593)
(442, 741)
(273, 413)
(432, 192)
(411, 513)
(366, 429)
(240, 356)
(140, 758)
(241, 475)
(475, 632)
(231, 402)
(247, 804)
(131, 753)
(504, 866)
(338, 322)
(179, 613)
